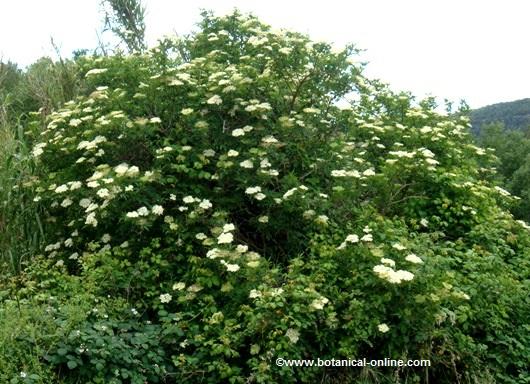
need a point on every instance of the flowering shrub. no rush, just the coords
(218, 187)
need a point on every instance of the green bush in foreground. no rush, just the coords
(214, 209)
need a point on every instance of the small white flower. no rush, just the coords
(132, 214)
(390, 262)
(165, 298)
(132, 171)
(121, 169)
(369, 172)
(61, 188)
(241, 248)
(215, 99)
(143, 211)
(259, 196)
(352, 239)
(213, 253)
(231, 267)
(205, 204)
(293, 335)
(93, 184)
(263, 219)
(254, 293)
(228, 227)
(208, 153)
(66, 203)
(246, 164)
(398, 246)
(96, 71)
(225, 238)
(269, 140)
(383, 328)
(289, 193)
(232, 153)
(368, 237)
(322, 219)
(91, 219)
(179, 286)
(238, 132)
(186, 111)
(157, 210)
(265, 163)
(414, 259)
(103, 193)
(319, 303)
(404, 275)
(252, 190)
(188, 199)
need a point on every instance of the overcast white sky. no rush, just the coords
(455, 49)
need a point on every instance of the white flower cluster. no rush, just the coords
(157, 210)
(392, 276)
(226, 237)
(89, 145)
(319, 303)
(352, 239)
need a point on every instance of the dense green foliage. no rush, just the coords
(512, 149)
(515, 115)
(207, 208)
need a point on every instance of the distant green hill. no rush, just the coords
(514, 114)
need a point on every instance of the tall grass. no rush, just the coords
(44, 86)
(20, 220)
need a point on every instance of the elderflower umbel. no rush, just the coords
(228, 227)
(188, 199)
(179, 286)
(319, 303)
(246, 164)
(215, 99)
(230, 267)
(165, 298)
(252, 190)
(225, 238)
(238, 132)
(414, 259)
(259, 196)
(293, 335)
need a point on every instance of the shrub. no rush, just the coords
(215, 185)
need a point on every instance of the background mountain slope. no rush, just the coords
(515, 115)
